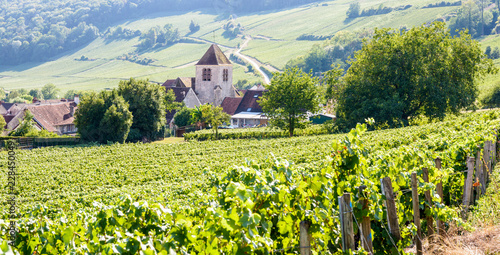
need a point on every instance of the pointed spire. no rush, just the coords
(214, 56)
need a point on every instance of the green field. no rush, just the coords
(282, 27)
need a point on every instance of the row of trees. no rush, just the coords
(134, 111)
(48, 91)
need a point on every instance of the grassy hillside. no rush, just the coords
(273, 42)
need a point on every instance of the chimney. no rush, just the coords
(71, 110)
(76, 99)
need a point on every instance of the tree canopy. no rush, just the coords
(402, 74)
(290, 96)
(147, 102)
(103, 117)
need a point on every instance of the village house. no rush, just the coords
(55, 116)
(245, 111)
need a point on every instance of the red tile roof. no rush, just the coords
(214, 56)
(230, 104)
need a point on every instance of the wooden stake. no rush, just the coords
(439, 190)
(346, 222)
(468, 184)
(479, 174)
(429, 218)
(485, 163)
(305, 238)
(416, 212)
(366, 229)
(390, 204)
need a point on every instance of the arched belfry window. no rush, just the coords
(225, 75)
(207, 73)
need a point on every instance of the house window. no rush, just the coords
(207, 74)
(225, 75)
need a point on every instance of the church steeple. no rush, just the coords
(214, 56)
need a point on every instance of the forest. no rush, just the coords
(36, 30)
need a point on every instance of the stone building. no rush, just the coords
(212, 83)
(213, 80)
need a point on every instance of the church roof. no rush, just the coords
(214, 56)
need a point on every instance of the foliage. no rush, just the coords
(290, 96)
(254, 207)
(103, 117)
(194, 27)
(208, 114)
(335, 51)
(393, 79)
(472, 17)
(50, 91)
(259, 133)
(159, 37)
(115, 125)
(36, 93)
(147, 102)
(2, 94)
(353, 10)
(2, 124)
(231, 29)
(182, 118)
(26, 125)
(41, 133)
(332, 81)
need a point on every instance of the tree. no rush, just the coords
(36, 93)
(353, 10)
(193, 27)
(209, 114)
(216, 117)
(2, 124)
(182, 118)
(70, 94)
(147, 102)
(26, 125)
(103, 117)
(115, 125)
(50, 91)
(2, 93)
(290, 96)
(400, 75)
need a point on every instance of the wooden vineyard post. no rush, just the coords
(493, 150)
(366, 229)
(429, 218)
(439, 190)
(346, 223)
(390, 205)
(416, 212)
(305, 238)
(486, 158)
(479, 174)
(468, 184)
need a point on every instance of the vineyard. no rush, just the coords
(241, 196)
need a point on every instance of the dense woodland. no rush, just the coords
(36, 30)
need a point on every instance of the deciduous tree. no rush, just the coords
(402, 74)
(290, 96)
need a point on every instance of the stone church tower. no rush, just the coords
(214, 77)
